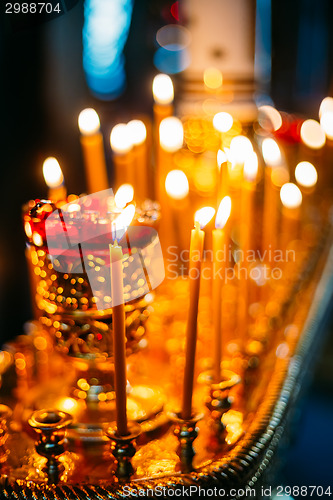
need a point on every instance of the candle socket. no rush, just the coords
(219, 400)
(5, 414)
(50, 426)
(186, 431)
(123, 449)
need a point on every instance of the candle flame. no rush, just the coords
(88, 121)
(240, 148)
(290, 195)
(204, 215)
(52, 173)
(123, 220)
(271, 152)
(326, 105)
(124, 195)
(312, 134)
(269, 118)
(221, 157)
(326, 122)
(163, 89)
(137, 132)
(120, 140)
(223, 212)
(306, 174)
(176, 184)
(251, 167)
(171, 134)
(223, 122)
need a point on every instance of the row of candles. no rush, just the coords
(129, 145)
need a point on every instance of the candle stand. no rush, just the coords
(220, 400)
(5, 414)
(186, 432)
(51, 426)
(123, 449)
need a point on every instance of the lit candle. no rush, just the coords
(250, 172)
(119, 336)
(306, 177)
(177, 189)
(163, 94)
(122, 158)
(54, 179)
(219, 249)
(124, 195)
(291, 198)
(138, 134)
(118, 318)
(201, 218)
(93, 151)
(273, 158)
(171, 140)
(223, 122)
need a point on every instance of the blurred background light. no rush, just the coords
(105, 31)
(172, 55)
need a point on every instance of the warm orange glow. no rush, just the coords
(240, 148)
(280, 176)
(37, 239)
(306, 174)
(326, 105)
(137, 132)
(269, 118)
(213, 78)
(27, 229)
(89, 122)
(221, 157)
(120, 139)
(171, 134)
(176, 184)
(312, 134)
(204, 215)
(326, 122)
(271, 152)
(291, 196)
(251, 167)
(163, 89)
(223, 122)
(223, 212)
(73, 207)
(124, 195)
(52, 172)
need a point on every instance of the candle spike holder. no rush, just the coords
(50, 426)
(220, 400)
(123, 449)
(5, 414)
(186, 431)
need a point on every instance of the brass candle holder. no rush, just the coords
(220, 400)
(5, 414)
(123, 449)
(50, 426)
(186, 431)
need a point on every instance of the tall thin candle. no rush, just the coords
(93, 151)
(219, 245)
(202, 217)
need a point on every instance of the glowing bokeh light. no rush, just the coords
(120, 140)
(326, 105)
(312, 134)
(269, 118)
(251, 167)
(171, 134)
(52, 172)
(212, 78)
(163, 89)
(124, 195)
(176, 184)
(137, 132)
(223, 121)
(88, 121)
(326, 122)
(290, 195)
(271, 152)
(306, 174)
(240, 148)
